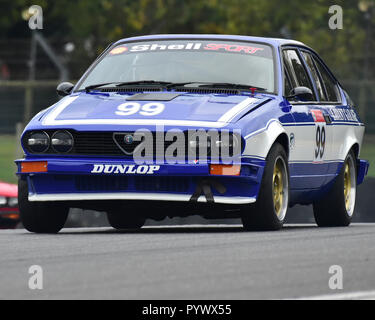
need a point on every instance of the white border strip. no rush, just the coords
(360, 295)
(137, 122)
(50, 119)
(262, 129)
(135, 196)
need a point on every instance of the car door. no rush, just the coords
(324, 105)
(308, 168)
(334, 107)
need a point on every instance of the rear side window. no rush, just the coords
(315, 74)
(296, 69)
(332, 90)
(287, 84)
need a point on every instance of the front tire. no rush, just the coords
(40, 217)
(336, 208)
(269, 211)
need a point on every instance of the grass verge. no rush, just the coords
(8, 147)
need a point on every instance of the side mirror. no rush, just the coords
(64, 89)
(301, 93)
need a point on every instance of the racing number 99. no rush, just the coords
(320, 141)
(149, 109)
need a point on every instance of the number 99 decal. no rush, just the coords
(149, 109)
(320, 141)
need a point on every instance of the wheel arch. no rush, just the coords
(260, 143)
(284, 141)
(355, 148)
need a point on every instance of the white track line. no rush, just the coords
(359, 295)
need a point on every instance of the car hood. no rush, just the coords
(181, 110)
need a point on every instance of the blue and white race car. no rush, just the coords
(174, 125)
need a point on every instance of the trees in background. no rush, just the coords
(92, 24)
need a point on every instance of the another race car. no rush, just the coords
(9, 214)
(173, 125)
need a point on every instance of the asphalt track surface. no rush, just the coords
(190, 262)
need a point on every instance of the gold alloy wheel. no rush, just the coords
(278, 187)
(347, 186)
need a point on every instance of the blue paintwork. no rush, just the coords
(306, 179)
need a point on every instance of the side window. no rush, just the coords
(287, 84)
(296, 69)
(348, 99)
(330, 85)
(315, 74)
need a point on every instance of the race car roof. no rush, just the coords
(276, 42)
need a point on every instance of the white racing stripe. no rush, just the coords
(359, 295)
(229, 115)
(50, 118)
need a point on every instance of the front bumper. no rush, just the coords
(363, 166)
(77, 179)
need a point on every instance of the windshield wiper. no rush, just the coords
(231, 85)
(169, 85)
(98, 85)
(129, 83)
(142, 82)
(182, 84)
(217, 85)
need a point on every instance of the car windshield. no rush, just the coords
(179, 61)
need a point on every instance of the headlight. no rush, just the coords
(224, 144)
(62, 141)
(232, 142)
(3, 201)
(13, 202)
(38, 142)
(196, 144)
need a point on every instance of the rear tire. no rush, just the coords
(40, 217)
(129, 218)
(336, 208)
(269, 211)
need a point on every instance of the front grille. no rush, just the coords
(164, 184)
(131, 184)
(101, 183)
(104, 143)
(95, 143)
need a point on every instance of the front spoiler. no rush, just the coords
(136, 196)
